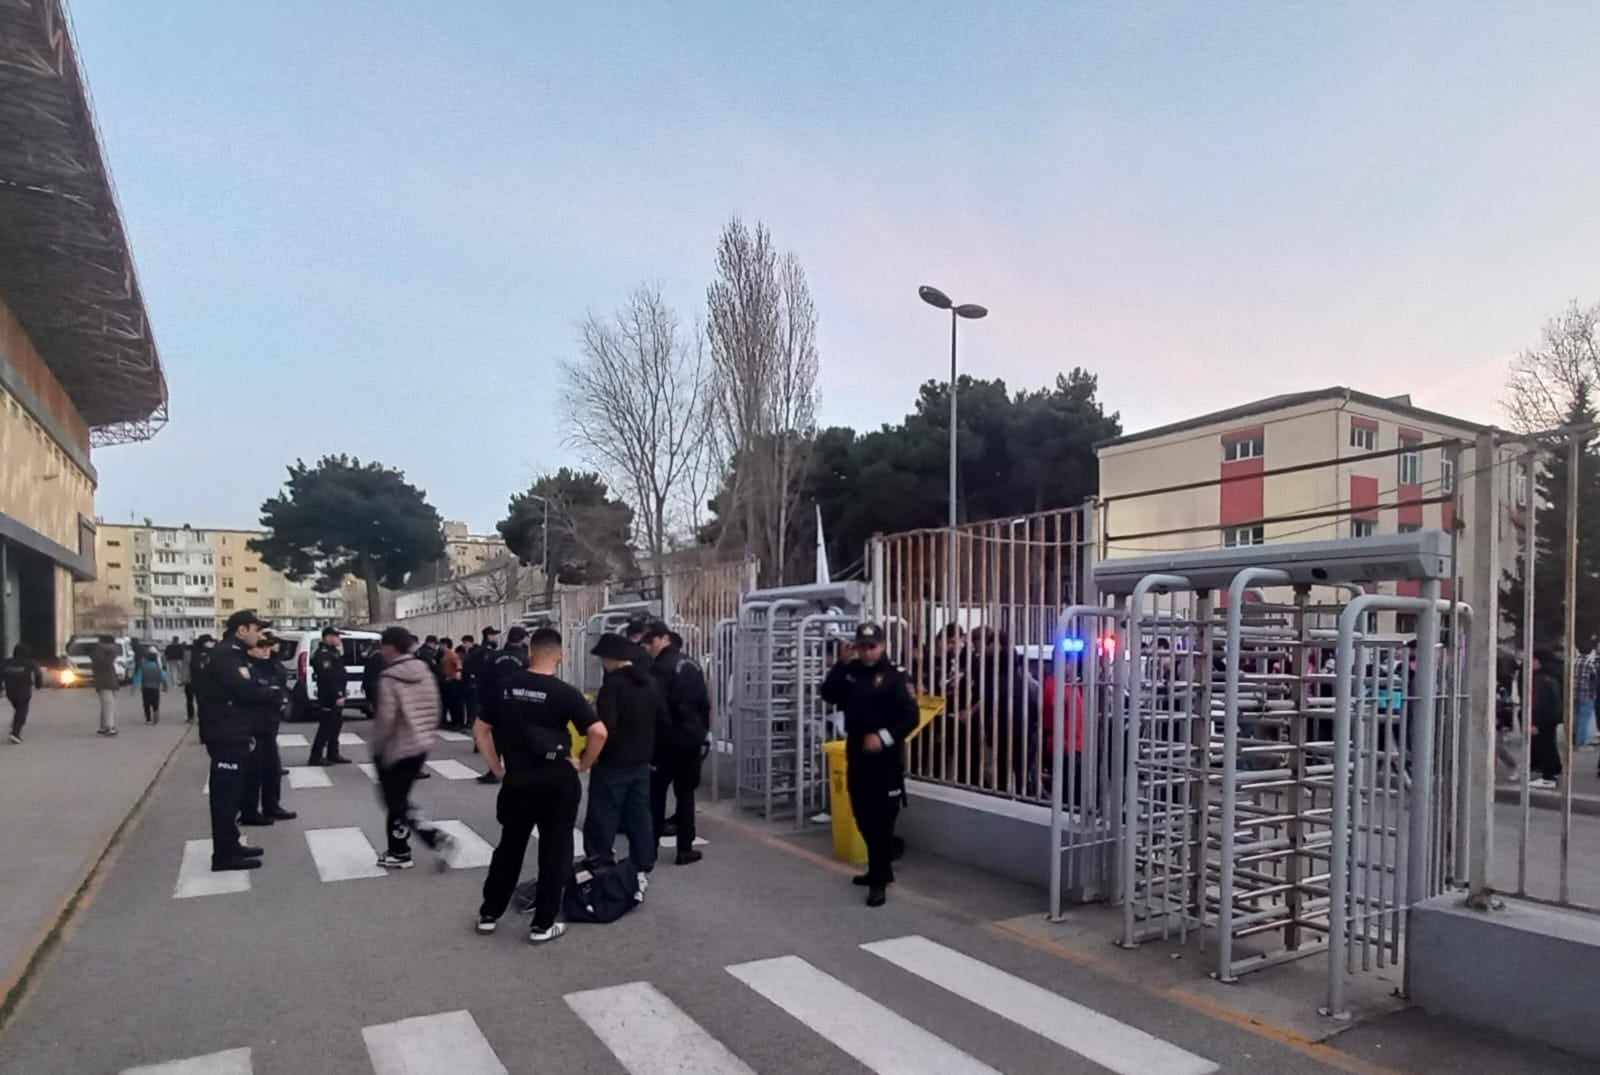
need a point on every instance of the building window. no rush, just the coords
(274, 603)
(1522, 488)
(1405, 623)
(1370, 623)
(249, 570)
(249, 589)
(1410, 528)
(1410, 463)
(1447, 475)
(1362, 528)
(227, 604)
(113, 564)
(113, 543)
(1235, 536)
(114, 586)
(227, 582)
(1363, 435)
(227, 561)
(1253, 447)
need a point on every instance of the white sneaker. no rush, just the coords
(15, 738)
(486, 925)
(395, 862)
(644, 884)
(1541, 784)
(540, 936)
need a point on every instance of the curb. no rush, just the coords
(15, 986)
(1548, 800)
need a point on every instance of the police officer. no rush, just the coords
(199, 658)
(472, 667)
(330, 681)
(228, 696)
(879, 712)
(681, 745)
(263, 787)
(525, 740)
(514, 658)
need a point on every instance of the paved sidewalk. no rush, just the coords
(63, 794)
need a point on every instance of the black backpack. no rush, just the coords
(600, 892)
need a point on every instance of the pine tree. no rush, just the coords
(1549, 587)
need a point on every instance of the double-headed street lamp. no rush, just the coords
(972, 311)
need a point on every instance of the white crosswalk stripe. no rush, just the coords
(471, 850)
(196, 879)
(451, 769)
(446, 1044)
(858, 1025)
(650, 1035)
(351, 739)
(292, 739)
(455, 737)
(309, 776)
(343, 854)
(1109, 1043)
(672, 841)
(231, 1062)
(368, 768)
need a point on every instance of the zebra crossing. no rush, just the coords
(648, 1033)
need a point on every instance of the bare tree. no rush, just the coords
(498, 581)
(763, 328)
(635, 409)
(1547, 381)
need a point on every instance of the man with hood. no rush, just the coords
(632, 709)
(681, 747)
(405, 722)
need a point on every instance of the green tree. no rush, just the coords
(1550, 536)
(591, 532)
(344, 518)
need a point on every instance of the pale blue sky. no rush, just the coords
(372, 226)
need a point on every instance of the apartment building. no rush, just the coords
(1292, 474)
(160, 581)
(467, 553)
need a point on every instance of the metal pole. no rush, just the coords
(1422, 855)
(1482, 674)
(951, 543)
(1339, 850)
(1530, 559)
(1574, 460)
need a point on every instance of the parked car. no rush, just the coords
(80, 655)
(295, 649)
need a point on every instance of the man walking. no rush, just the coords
(149, 679)
(331, 680)
(20, 676)
(472, 671)
(1548, 715)
(405, 721)
(631, 709)
(682, 746)
(229, 697)
(530, 749)
(103, 660)
(263, 784)
(879, 712)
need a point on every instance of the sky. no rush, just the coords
(373, 226)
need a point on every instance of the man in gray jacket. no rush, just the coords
(103, 659)
(405, 722)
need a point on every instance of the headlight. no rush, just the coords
(68, 677)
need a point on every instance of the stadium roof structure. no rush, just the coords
(65, 267)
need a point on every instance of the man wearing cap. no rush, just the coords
(229, 697)
(472, 668)
(879, 712)
(332, 680)
(263, 784)
(632, 709)
(500, 666)
(681, 746)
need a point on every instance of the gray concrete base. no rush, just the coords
(1529, 970)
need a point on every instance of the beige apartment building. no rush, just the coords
(159, 581)
(1331, 495)
(468, 553)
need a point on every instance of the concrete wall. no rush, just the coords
(1528, 970)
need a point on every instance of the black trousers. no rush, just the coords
(1546, 755)
(229, 763)
(330, 719)
(19, 714)
(548, 802)
(619, 798)
(679, 771)
(455, 705)
(263, 785)
(188, 701)
(875, 797)
(394, 785)
(151, 696)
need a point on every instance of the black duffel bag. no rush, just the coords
(600, 892)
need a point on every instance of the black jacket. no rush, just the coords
(328, 672)
(230, 697)
(266, 715)
(20, 675)
(199, 661)
(875, 698)
(494, 671)
(634, 712)
(683, 686)
(1547, 707)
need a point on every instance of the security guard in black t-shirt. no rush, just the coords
(524, 738)
(879, 713)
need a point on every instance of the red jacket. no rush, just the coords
(1072, 719)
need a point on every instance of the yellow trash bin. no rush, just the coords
(848, 846)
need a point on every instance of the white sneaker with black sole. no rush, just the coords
(486, 925)
(15, 738)
(644, 885)
(542, 936)
(395, 862)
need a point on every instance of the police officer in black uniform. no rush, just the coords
(879, 713)
(472, 667)
(263, 786)
(498, 666)
(525, 740)
(199, 658)
(681, 745)
(228, 697)
(330, 681)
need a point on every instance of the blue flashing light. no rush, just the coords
(1072, 645)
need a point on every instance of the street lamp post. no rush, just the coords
(972, 311)
(544, 541)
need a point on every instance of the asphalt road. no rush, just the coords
(751, 960)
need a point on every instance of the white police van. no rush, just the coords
(295, 650)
